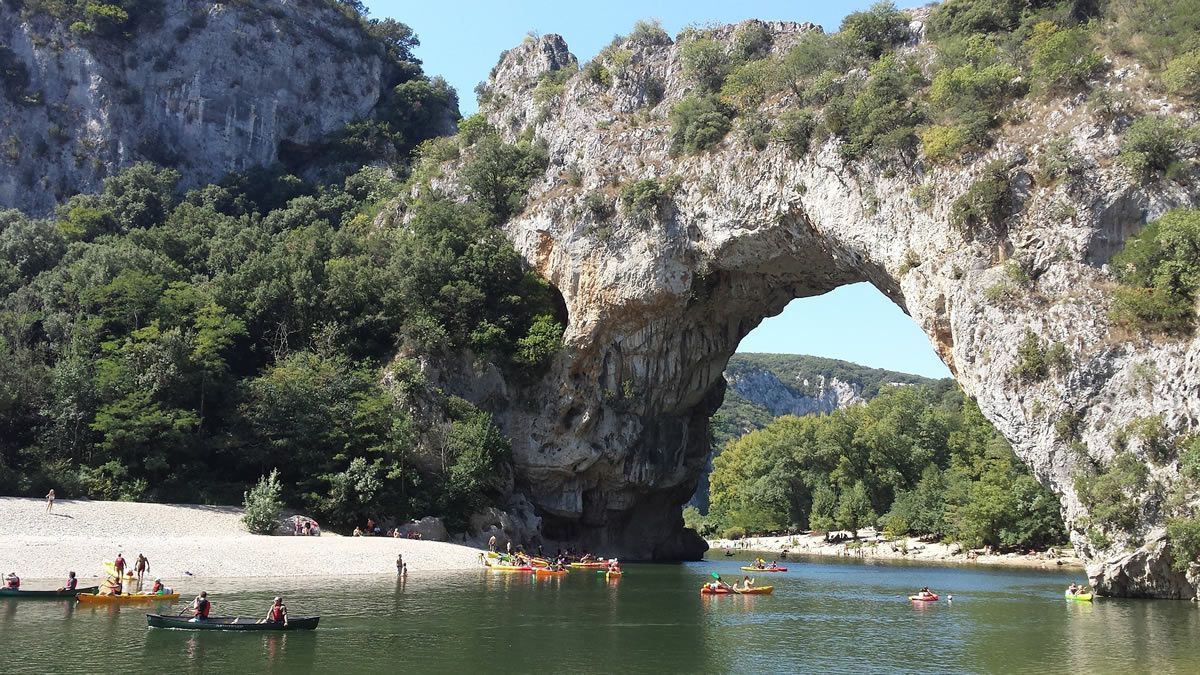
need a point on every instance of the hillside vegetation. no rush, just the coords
(159, 345)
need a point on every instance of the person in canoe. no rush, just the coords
(760, 563)
(1073, 589)
(747, 584)
(718, 584)
(12, 581)
(141, 566)
(277, 613)
(111, 586)
(72, 582)
(200, 607)
(158, 588)
(614, 565)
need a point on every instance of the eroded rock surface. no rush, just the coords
(212, 88)
(657, 305)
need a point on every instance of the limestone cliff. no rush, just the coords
(658, 304)
(205, 87)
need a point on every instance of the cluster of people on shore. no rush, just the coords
(306, 527)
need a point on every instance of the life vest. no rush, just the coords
(72, 583)
(202, 609)
(156, 588)
(277, 613)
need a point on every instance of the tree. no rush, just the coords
(854, 509)
(262, 504)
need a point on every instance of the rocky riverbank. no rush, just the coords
(873, 545)
(185, 541)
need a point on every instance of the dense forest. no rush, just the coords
(913, 460)
(163, 345)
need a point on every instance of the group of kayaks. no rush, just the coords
(499, 562)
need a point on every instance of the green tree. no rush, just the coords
(854, 509)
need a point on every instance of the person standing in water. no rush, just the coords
(400, 563)
(141, 566)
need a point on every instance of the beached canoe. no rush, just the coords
(757, 590)
(46, 595)
(128, 598)
(1080, 597)
(231, 623)
(765, 569)
(924, 598)
(510, 568)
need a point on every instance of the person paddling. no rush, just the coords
(200, 607)
(278, 612)
(12, 581)
(72, 582)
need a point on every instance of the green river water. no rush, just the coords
(825, 616)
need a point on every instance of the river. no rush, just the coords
(826, 616)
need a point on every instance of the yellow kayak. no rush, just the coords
(88, 598)
(1081, 597)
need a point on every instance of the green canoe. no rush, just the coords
(236, 623)
(46, 595)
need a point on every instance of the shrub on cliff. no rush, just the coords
(643, 199)
(1111, 495)
(262, 504)
(499, 175)
(963, 17)
(1159, 271)
(705, 63)
(1151, 147)
(876, 30)
(699, 122)
(795, 130)
(1032, 362)
(1062, 59)
(883, 115)
(980, 212)
(1184, 534)
(1182, 75)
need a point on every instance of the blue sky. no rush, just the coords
(462, 40)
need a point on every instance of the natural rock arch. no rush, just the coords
(617, 435)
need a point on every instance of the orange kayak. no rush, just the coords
(543, 572)
(130, 598)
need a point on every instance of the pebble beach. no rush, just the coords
(192, 541)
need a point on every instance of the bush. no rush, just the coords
(1189, 459)
(705, 63)
(1184, 534)
(262, 504)
(599, 205)
(964, 17)
(795, 130)
(1159, 271)
(1182, 75)
(752, 41)
(1062, 59)
(735, 532)
(883, 115)
(1058, 161)
(649, 33)
(982, 210)
(499, 175)
(541, 344)
(643, 199)
(749, 84)
(595, 72)
(1110, 496)
(1151, 147)
(1032, 364)
(699, 122)
(944, 143)
(874, 31)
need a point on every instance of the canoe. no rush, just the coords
(765, 569)
(590, 565)
(757, 590)
(1079, 597)
(46, 595)
(231, 623)
(128, 598)
(511, 568)
(708, 590)
(543, 572)
(924, 598)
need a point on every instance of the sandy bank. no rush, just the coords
(871, 545)
(185, 541)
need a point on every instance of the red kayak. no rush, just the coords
(708, 590)
(924, 597)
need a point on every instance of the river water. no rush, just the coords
(824, 616)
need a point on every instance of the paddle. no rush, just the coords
(716, 576)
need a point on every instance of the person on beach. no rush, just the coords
(71, 584)
(492, 544)
(119, 564)
(200, 607)
(50, 501)
(278, 612)
(357, 532)
(141, 566)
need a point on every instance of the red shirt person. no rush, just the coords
(200, 607)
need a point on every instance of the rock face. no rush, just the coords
(617, 437)
(764, 388)
(211, 88)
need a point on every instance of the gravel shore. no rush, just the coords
(870, 545)
(187, 541)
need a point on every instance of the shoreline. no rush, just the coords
(193, 542)
(871, 546)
